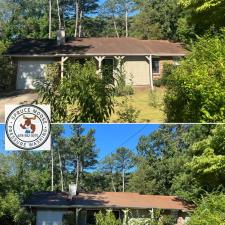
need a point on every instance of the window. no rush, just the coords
(107, 70)
(155, 65)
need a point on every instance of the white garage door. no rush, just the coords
(49, 217)
(28, 71)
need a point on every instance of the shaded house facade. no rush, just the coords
(143, 59)
(57, 208)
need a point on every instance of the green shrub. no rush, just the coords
(127, 113)
(195, 90)
(122, 89)
(107, 218)
(82, 95)
(158, 83)
(154, 99)
(7, 70)
(168, 69)
(210, 211)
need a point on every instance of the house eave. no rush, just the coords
(97, 207)
(90, 55)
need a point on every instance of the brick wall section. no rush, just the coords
(162, 61)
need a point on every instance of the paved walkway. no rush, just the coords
(17, 98)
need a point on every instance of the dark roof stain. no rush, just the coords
(95, 46)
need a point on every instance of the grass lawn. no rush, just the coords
(149, 105)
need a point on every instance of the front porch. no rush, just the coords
(87, 216)
(140, 70)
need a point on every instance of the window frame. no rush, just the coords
(156, 59)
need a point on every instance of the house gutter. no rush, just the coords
(98, 207)
(80, 55)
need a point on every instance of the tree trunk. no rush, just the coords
(115, 27)
(58, 14)
(52, 172)
(77, 172)
(123, 180)
(50, 19)
(127, 34)
(77, 18)
(113, 185)
(80, 23)
(61, 172)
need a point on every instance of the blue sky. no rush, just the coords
(108, 136)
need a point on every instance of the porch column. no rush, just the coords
(77, 214)
(149, 58)
(119, 60)
(99, 59)
(125, 218)
(152, 213)
(108, 210)
(63, 59)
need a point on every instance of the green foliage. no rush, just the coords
(195, 90)
(127, 113)
(81, 92)
(7, 70)
(167, 72)
(208, 162)
(210, 211)
(157, 217)
(156, 19)
(122, 89)
(162, 166)
(154, 99)
(205, 15)
(201, 5)
(10, 211)
(107, 218)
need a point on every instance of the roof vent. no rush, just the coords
(61, 36)
(72, 190)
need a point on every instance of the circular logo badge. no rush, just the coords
(28, 127)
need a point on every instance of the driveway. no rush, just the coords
(16, 98)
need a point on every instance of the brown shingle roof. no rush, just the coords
(106, 200)
(161, 47)
(95, 46)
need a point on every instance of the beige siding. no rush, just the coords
(137, 67)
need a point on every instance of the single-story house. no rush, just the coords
(58, 208)
(143, 59)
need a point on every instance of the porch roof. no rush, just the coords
(106, 200)
(95, 47)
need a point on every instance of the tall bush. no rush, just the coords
(107, 218)
(122, 89)
(81, 96)
(7, 70)
(195, 90)
(210, 211)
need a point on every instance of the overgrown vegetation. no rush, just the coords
(81, 96)
(211, 211)
(7, 70)
(158, 218)
(195, 90)
(107, 218)
(122, 88)
(126, 112)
